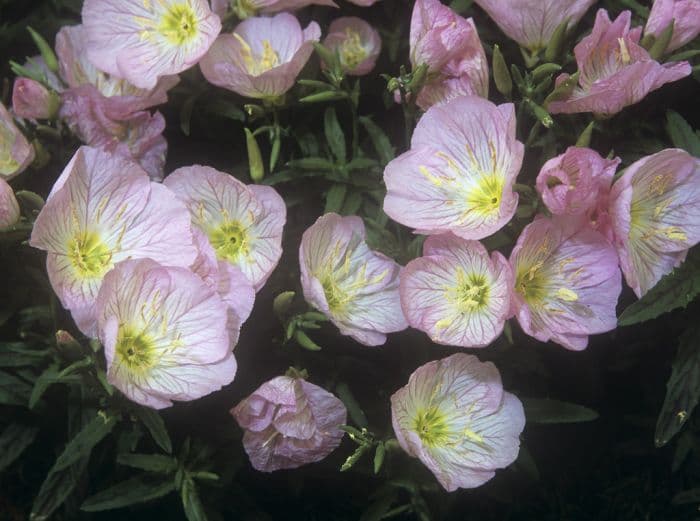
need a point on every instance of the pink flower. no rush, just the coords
(358, 44)
(103, 209)
(289, 422)
(16, 154)
(459, 174)
(246, 8)
(685, 15)
(242, 222)
(531, 23)
(263, 56)
(578, 182)
(355, 287)
(655, 210)
(566, 281)
(135, 135)
(456, 293)
(141, 41)
(164, 334)
(615, 71)
(9, 208)
(449, 45)
(31, 100)
(456, 418)
(121, 98)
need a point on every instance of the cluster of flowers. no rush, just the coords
(164, 274)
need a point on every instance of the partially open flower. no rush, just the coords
(459, 174)
(655, 210)
(456, 293)
(566, 281)
(16, 154)
(142, 41)
(31, 100)
(358, 44)
(243, 223)
(357, 288)
(532, 23)
(289, 422)
(263, 56)
(9, 208)
(103, 209)
(685, 15)
(456, 418)
(164, 334)
(614, 70)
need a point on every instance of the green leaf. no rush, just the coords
(584, 139)
(57, 486)
(675, 290)
(682, 388)
(149, 462)
(681, 133)
(379, 454)
(135, 490)
(501, 75)
(544, 410)
(687, 496)
(555, 46)
(354, 457)
(311, 163)
(658, 48)
(334, 135)
(13, 440)
(83, 442)
(335, 197)
(379, 507)
(13, 390)
(356, 413)
(156, 427)
(52, 375)
(380, 141)
(17, 354)
(191, 502)
(352, 203)
(225, 109)
(186, 113)
(325, 96)
(45, 50)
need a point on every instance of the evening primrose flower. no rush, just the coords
(614, 70)
(685, 15)
(358, 44)
(460, 171)
(263, 56)
(289, 422)
(355, 287)
(164, 333)
(9, 208)
(456, 418)
(243, 223)
(456, 293)
(531, 23)
(143, 40)
(16, 154)
(103, 209)
(567, 281)
(655, 211)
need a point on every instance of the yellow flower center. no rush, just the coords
(256, 65)
(335, 297)
(179, 24)
(431, 426)
(89, 255)
(471, 292)
(352, 53)
(485, 197)
(135, 350)
(230, 241)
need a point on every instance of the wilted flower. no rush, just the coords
(566, 281)
(456, 418)
(136, 135)
(355, 287)
(456, 293)
(246, 8)
(243, 223)
(9, 208)
(289, 422)
(121, 98)
(164, 333)
(103, 209)
(655, 211)
(263, 56)
(142, 41)
(449, 45)
(459, 174)
(31, 100)
(578, 182)
(358, 44)
(532, 23)
(685, 15)
(614, 70)
(16, 154)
